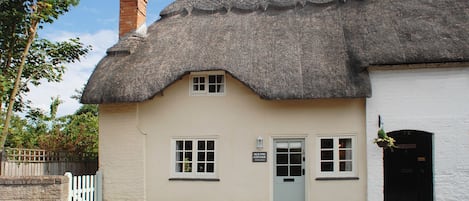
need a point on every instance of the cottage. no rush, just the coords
(267, 99)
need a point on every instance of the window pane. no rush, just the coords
(346, 166)
(295, 147)
(211, 78)
(210, 156)
(327, 166)
(202, 87)
(282, 147)
(210, 145)
(179, 145)
(345, 154)
(196, 88)
(210, 167)
(178, 167)
(211, 89)
(282, 170)
(295, 170)
(195, 80)
(188, 156)
(179, 156)
(327, 143)
(188, 145)
(282, 158)
(200, 167)
(327, 155)
(201, 145)
(220, 78)
(187, 167)
(201, 156)
(201, 80)
(295, 158)
(219, 88)
(345, 143)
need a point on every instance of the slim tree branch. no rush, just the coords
(14, 92)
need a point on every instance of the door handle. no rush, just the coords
(289, 180)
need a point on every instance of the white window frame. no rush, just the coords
(193, 174)
(336, 173)
(206, 75)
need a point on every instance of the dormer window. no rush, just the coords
(207, 83)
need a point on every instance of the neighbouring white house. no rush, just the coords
(426, 109)
(420, 96)
(280, 100)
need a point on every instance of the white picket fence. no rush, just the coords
(85, 188)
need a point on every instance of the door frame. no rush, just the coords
(271, 155)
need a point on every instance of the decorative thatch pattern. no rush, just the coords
(181, 6)
(282, 49)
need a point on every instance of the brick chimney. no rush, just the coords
(132, 15)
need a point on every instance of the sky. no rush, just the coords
(96, 23)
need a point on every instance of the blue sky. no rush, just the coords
(96, 23)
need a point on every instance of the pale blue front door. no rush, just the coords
(289, 179)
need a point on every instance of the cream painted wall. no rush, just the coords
(237, 119)
(121, 153)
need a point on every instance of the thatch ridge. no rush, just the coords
(187, 6)
(319, 50)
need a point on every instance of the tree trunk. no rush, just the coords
(1, 160)
(14, 92)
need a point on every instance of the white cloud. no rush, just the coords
(77, 74)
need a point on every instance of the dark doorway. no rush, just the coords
(408, 169)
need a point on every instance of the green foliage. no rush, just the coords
(26, 59)
(50, 10)
(21, 136)
(45, 62)
(76, 133)
(381, 133)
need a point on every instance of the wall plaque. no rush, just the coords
(259, 157)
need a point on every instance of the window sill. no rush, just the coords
(206, 94)
(336, 178)
(194, 179)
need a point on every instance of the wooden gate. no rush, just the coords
(85, 187)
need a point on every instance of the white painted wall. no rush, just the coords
(135, 143)
(432, 100)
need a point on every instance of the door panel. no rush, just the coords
(289, 180)
(408, 174)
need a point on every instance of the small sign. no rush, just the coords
(259, 157)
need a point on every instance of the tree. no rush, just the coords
(26, 59)
(75, 134)
(21, 135)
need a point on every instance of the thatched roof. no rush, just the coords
(282, 49)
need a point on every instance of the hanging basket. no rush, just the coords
(384, 141)
(382, 144)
